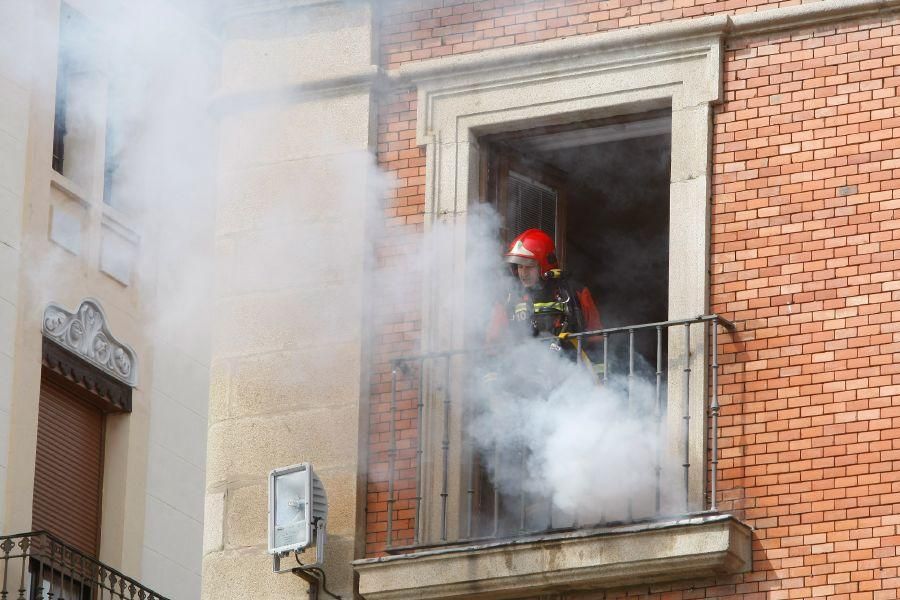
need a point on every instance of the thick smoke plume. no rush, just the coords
(540, 422)
(135, 83)
(546, 428)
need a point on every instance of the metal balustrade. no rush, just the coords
(38, 566)
(424, 484)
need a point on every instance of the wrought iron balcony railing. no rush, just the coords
(441, 491)
(38, 566)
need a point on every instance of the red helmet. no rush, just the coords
(533, 247)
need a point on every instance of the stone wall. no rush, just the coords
(295, 182)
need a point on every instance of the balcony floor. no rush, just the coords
(587, 559)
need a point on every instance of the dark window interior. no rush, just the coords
(70, 22)
(601, 190)
(608, 182)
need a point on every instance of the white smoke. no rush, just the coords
(592, 450)
(548, 425)
(545, 428)
(138, 79)
(136, 200)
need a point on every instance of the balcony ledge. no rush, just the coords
(686, 548)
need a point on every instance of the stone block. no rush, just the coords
(688, 247)
(18, 30)
(14, 114)
(319, 189)
(213, 522)
(299, 379)
(338, 555)
(321, 316)
(7, 327)
(173, 534)
(9, 273)
(6, 382)
(304, 129)
(11, 223)
(118, 252)
(297, 257)
(248, 448)
(5, 422)
(246, 516)
(219, 386)
(4, 471)
(167, 577)
(295, 46)
(67, 226)
(178, 429)
(247, 573)
(182, 378)
(12, 163)
(341, 485)
(175, 481)
(692, 128)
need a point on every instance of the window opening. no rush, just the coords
(46, 580)
(122, 134)
(69, 22)
(601, 190)
(111, 163)
(59, 122)
(78, 98)
(608, 184)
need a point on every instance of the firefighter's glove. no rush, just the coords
(557, 344)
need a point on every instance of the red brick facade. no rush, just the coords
(805, 247)
(805, 235)
(397, 322)
(419, 29)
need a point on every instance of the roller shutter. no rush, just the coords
(68, 474)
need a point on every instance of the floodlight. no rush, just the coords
(297, 510)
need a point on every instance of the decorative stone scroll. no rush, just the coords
(85, 334)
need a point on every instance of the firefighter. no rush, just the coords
(546, 303)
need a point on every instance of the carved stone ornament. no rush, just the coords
(85, 333)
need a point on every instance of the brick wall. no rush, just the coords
(805, 249)
(805, 238)
(397, 320)
(419, 29)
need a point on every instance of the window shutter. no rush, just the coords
(69, 467)
(530, 205)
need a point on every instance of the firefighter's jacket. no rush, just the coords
(552, 307)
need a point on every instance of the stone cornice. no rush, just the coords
(329, 86)
(236, 9)
(807, 15)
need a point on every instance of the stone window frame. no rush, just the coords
(465, 97)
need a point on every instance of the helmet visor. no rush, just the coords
(521, 260)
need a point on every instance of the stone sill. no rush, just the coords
(587, 559)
